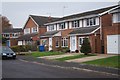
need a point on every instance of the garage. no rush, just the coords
(113, 44)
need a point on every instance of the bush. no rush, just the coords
(24, 48)
(86, 48)
(65, 49)
(77, 51)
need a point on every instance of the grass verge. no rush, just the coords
(108, 62)
(74, 57)
(40, 54)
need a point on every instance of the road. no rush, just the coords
(21, 69)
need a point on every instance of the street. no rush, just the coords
(21, 69)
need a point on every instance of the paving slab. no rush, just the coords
(84, 59)
(59, 56)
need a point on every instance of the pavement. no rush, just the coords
(29, 67)
(90, 58)
(59, 56)
(72, 65)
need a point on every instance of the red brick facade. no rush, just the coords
(108, 28)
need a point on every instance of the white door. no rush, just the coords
(113, 44)
(50, 44)
(73, 45)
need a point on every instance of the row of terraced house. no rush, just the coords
(101, 27)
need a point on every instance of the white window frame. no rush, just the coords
(44, 42)
(7, 34)
(64, 42)
(34, 30)
(75, 24)
(116, 17)
(51, 28)
(90, 22)
(62, 26)
(27, 31)
(80, 43)
(15, 35)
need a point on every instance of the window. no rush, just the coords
(81, 40)
(57, 42)
(75, 23)
(44, 42)
(91, 21)
(51, 27)
(64, 42)
(7, 35)
(62, 26)
(27, 31)
(34, 30)
(116, 17)
(15, 35)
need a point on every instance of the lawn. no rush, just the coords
(74, 57)
(108, 62)
(40, 54)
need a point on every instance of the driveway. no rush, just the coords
(30, 69)
(84, 59)
(59, 56)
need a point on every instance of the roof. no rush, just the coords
(26, 36)
(49, 33)
(41, 20)
(84, 30)
(93, 12)
(12, 30)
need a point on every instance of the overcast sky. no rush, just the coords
(18, 12)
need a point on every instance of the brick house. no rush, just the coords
(69, 31)
(110, 30)
(12, 35)
(33, 28)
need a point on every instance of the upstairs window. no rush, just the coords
(15, 35)
(51, 27)
(62, 26)
(34, 30)
(91, 21)
(27, 31)
(116, 17)
(7, 35)
(75, 23)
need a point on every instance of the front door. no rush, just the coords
(73, 45)
(50, 44)
(8, 43)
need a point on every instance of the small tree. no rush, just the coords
(86, 48)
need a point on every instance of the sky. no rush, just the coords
(18, 12)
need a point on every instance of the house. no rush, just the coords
(33, 27)
(69, 31)
(12, 35)
(110, 30)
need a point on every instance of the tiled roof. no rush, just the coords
(27, 36)
(41, 20)
(93, 12)
(49, 33)
(12, 30)
(84, 30)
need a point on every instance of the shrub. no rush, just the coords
(77, 51)
(86, 48)
(65, 49)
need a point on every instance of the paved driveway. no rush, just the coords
(84, 59)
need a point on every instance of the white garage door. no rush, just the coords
(113, 44)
